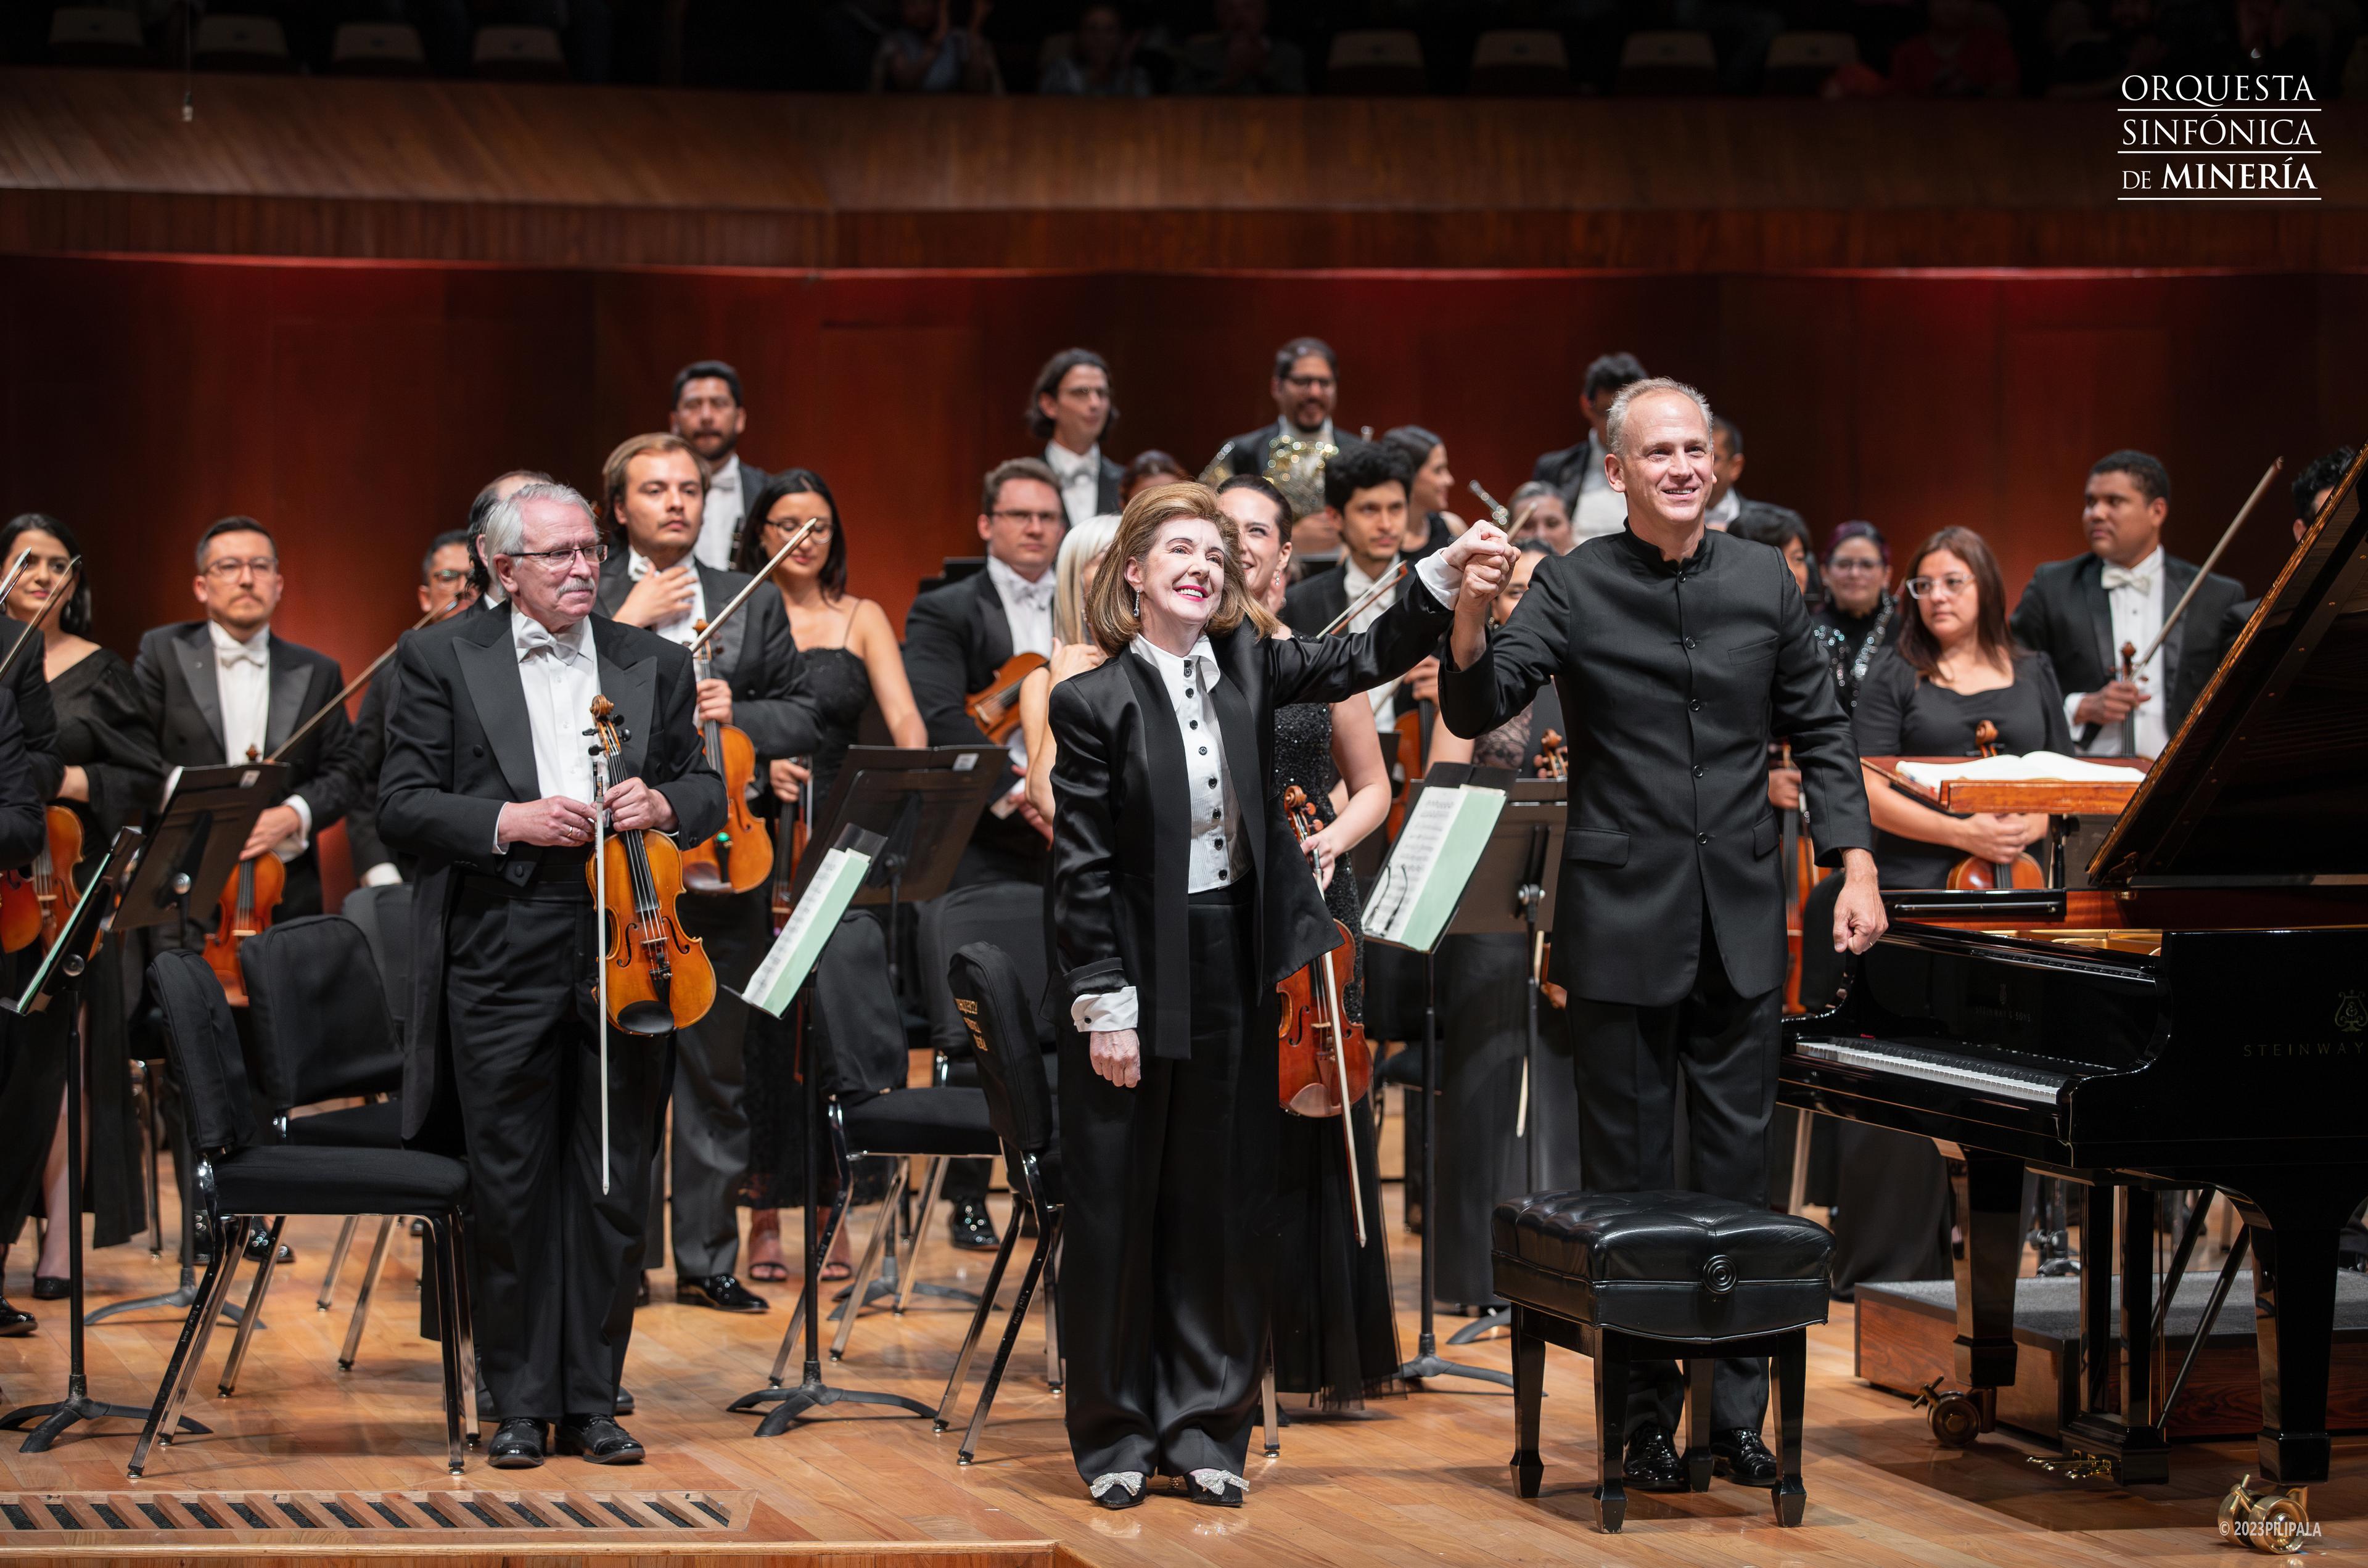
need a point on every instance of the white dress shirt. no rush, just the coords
(2136, 594)
(561, 676)
(1080, 474)
(1354, 578)
(679, 629)
(1216, 854)
(1595, 508)
(1027, 611)
(721, 521)
(1724, 511)
(242, 686)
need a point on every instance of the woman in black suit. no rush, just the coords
(1179, 899)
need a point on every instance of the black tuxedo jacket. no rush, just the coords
(24, 828)
(37, 717)
(1110, 482)
(1315, 600)
(175, 672)
(1673, 678)
(753, 652)
(752, 480)
(2065, 615)
(1119, 826)
(1565, 468)
(459, 745)
(955, 639)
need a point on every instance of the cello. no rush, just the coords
(654, 977)
(1974, 875)
(1552, 761)
(1324, 1064)
(740, 856)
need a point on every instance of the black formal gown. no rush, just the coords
(1891, 1210)
(1334, 1333)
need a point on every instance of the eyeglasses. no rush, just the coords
(449, 575)
(1309, 383)
(1851, 568)
(1949, 587)
(596, 553)
(1045, 518)
(783, 528)
(230, 570)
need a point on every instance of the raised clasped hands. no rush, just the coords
(1483, 555)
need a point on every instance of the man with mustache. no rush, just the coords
(710, 413)
(488, 781)
(1678, 651)
(1305, 386)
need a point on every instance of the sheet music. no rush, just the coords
(1437, 849)
(794, 952)
(2038, 764)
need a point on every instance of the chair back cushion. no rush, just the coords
(1011, 916)
(1001, 1021)
(858, 1029)
(320, 1028)
(385, 914)
(1670, 1264)
(201, 1039)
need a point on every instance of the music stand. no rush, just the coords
(1512, 888)
(922, 805)
(194, 843)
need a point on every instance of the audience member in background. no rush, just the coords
(1239, 57)
(1100, 64)
(1070, 410)
(1960, 54)
(1729, 506)
(1305, 386)
(850, 661)
(1431, 520)
(1539, 512)
(1365, 502)
(1578, 471)
(2312, 487)
(1150, 467)
(110, 773)
(2087, 55)
(712, 415)
(1861, 610)
(500, 489)
(444, 584)
(2080, 612)
(926, 53)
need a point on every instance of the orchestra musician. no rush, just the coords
(111, 774)
(500, 488)
(1677, 652)
(2082, 611)
(1577, 472)
(2312, 486)
(446, 585)
(1431, 520)
(1292, 451)
(1863, 614)
(710, 413)
(655, 489)
(1365, 502)
(1179, 901)
(488, 781)
(1070, 410)
(1955, 666)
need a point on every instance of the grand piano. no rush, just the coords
(2197, 1018)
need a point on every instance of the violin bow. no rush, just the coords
(1396, 575)
(600, 906)
(1497, 512)
(362, 680)
(74, 570)
(715, 622)
(2268, 473)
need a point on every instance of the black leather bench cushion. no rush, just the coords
(1671, 1265)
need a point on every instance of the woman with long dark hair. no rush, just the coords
(1180, 899)
(113, 773)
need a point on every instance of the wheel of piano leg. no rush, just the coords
(1792, 1499)
(1956, 1419)
(1610, 1507)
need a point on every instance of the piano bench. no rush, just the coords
(1627, 1276)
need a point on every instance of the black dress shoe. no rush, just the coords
(15, 1322)
(51, 1288)
(599, 1440)
(518, 1445)
(1652, 1464)
(624, 1400)
(642, 1290)
(971, 1229)
(1743, 1458)
(721, 1291)
(258, 1247)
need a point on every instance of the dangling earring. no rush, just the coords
(1138, 604)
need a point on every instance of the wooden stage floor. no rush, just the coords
(1421, 1479)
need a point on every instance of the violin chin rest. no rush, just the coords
(647, 1018)
(1315, 1100)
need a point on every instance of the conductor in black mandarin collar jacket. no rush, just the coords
(1676, 651)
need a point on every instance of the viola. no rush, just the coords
(740, 856)
(1324, 1064)
(53, 869)
(995, 708)
(248, 901)
(654, 977)
(1802, 873)
(1974, 875)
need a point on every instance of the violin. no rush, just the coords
(29, 904)
(740, 856)
(244, 911)
(1974, 875)
(1324, 1064)
(1803, 874)
(996, 708)
(53, 869)
(1552, 761)
(654, 977)
(792, 850)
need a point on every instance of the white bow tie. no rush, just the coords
(1032, 596)
(227, 656)
(2123, 577)
(534, 638)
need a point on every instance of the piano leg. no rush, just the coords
(2294, 1248)
(1986, 1258)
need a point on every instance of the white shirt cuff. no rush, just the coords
(293, 845)
(1110, 1011)
(382, 875)
(1439, 578)
(2072, 707)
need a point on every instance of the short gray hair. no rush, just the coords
(506, 524)
(1615, 423)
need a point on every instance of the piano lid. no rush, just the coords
(2267, 781)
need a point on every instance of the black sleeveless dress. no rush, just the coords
(1335, 1331)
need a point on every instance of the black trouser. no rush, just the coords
(555, 1257)
(1628, 1062)
(1165, 1259)
(710, 1149)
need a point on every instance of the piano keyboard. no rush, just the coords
(2036, 1086)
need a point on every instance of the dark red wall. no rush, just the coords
(357, 407)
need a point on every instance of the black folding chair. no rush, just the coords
(240, 1177)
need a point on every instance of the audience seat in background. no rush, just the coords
(96, 35)
(240, 43)
(1799, 64)
(378, 49)
(1518, 62)
(519, 54)
(1376, 62)
(1668, 64)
